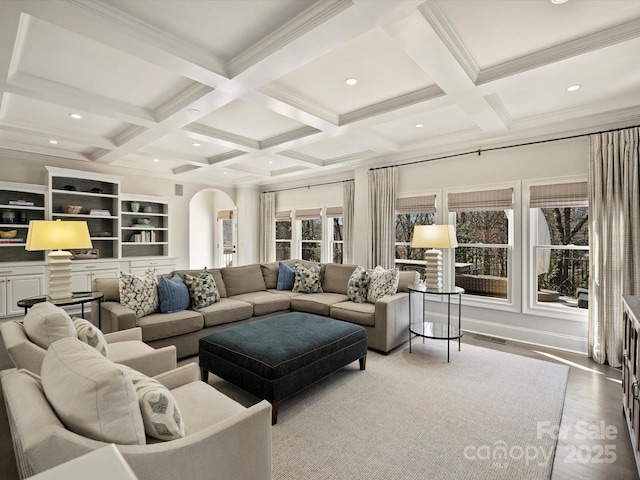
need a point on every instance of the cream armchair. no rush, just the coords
(224, 440)
(125, 347)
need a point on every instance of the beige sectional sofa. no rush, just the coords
(249, 293)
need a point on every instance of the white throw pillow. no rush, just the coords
(45, 323)
(90, 334)
(90, 394)
(139, 292)
(160, 413)
(383, 282)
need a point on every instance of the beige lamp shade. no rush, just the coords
(57, 235)
(434, 236)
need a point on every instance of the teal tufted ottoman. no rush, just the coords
(278, 356)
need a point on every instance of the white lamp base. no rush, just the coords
(433, 270)
(59, 274)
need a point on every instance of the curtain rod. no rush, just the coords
(480, 150)
(309, 186)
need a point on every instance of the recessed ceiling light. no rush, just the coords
(75, 116)
(573, 88)
(53, 142)
(351, 81)
(558, 2)
(270, 161)
(156, 160)
(195, 144)
(226, 173)
(193, 111)
(419, 125)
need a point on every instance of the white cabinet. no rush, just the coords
(83, 273)
(162, 265)
(145, 226)
(17, 283)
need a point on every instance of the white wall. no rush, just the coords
(248, 204)
(202, 231)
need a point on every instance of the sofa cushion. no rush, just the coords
(335, 278)
(202, 288)
(288, 293)
(227, 310)
(360, 313)
(286, 277)
(318, 303)
(90, 334)
(139, 292)
(217, 276)
(358, 285)
(270, 274)
(265, 303)
(90, 394)
(160, 413)
(109, 287)
(307, 279)
(383, 282)
(244, 279)
(407, 278)
(45, 323)
(173, 294)
(165, 325)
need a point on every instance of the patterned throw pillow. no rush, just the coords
(307, 279)
(286, 277)
(358, 285)
(90, 334)
(173, 294)
(383, 282)
(139, 292)
(203, 289)
(160, 413)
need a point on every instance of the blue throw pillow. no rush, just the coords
(286, 277)
(174, 295)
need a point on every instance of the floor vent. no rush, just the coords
(487, 338)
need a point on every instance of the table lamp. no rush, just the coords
(56, 235)
(434, 237)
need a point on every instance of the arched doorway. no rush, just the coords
(211, 225)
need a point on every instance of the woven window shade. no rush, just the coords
(559, 195)
(423, 204)
(309, 214)
(333, 212)
(225, 214)
(283, 215)
(481, 201)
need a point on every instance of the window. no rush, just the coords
(283, 235)
(559, 215)
(227, 237)
(483, 221)
(310, 228)
(412, 211)
(336, 247)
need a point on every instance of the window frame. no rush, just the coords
(289, 240)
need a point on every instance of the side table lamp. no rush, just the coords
(434, 237)
(58, 236)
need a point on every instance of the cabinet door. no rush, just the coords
(3, 297)
(80, 282)
(22, 287)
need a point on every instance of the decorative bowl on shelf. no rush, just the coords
(71, 188)
(71, 209)
(144, 221)
(8, 233)
(101, 234)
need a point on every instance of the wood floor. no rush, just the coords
(593, 409)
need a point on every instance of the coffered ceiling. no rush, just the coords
(248, 92)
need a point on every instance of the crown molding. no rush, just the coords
(440, 24)
(225, 156)
(60, 134)
(318, 13)
(192, 94)
(301, 132)
(129, 134)
(572, 48)
(405, 100)
(207, 131)
(316, 162)
(496, 104)
(285, 96)
(116, 19)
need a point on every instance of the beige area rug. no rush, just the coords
(485, 415)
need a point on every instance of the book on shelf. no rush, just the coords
(11, 240)
(102, 213)
(23, 203)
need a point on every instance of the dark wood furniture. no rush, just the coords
(630, 367)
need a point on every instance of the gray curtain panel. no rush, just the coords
(614, 231)
(348, 194)
(268, 227)
(383, 184)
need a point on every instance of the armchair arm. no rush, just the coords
(392, 322)
(22, 351)
(117, 316)
(124, 335)
(179, 376)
